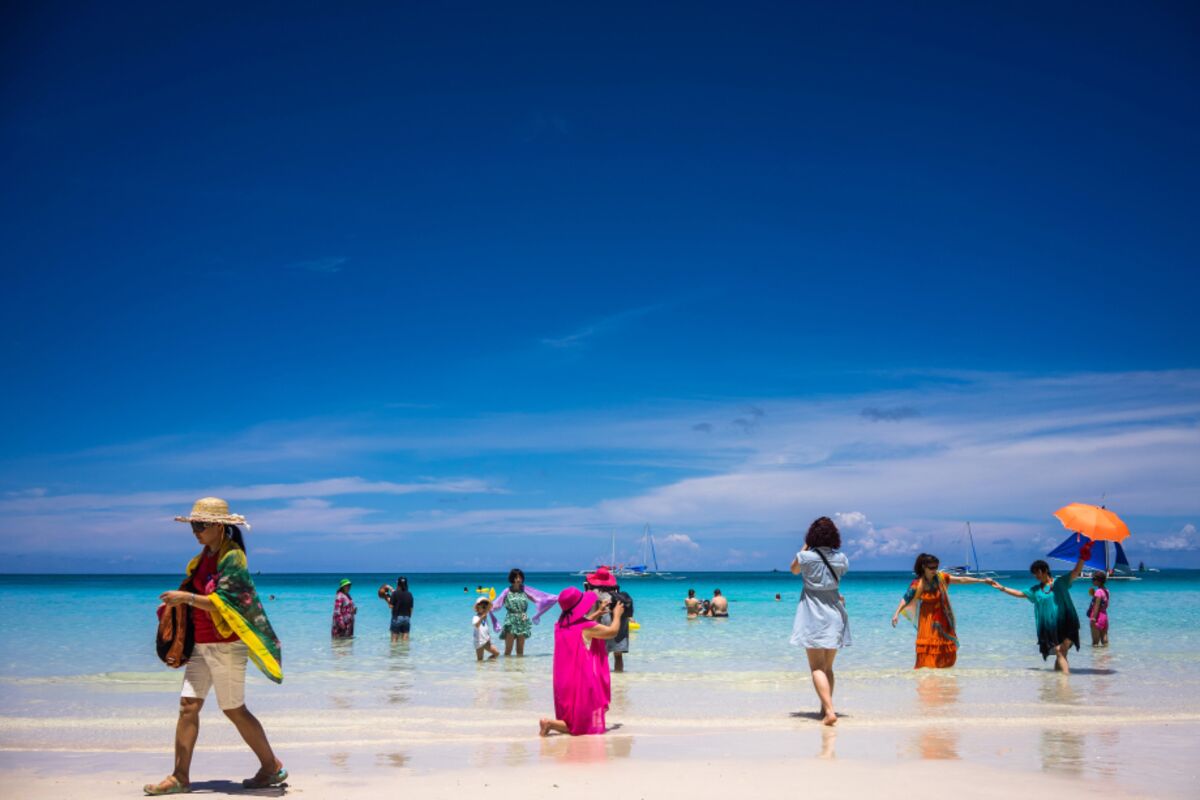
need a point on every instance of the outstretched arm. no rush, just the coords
(896, 616)
(1006, 590)
(964, 579)
(1085, 553)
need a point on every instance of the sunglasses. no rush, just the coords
(199, 526)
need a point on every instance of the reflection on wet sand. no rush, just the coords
(828, 740)
(339, 760)
(1056, 689)
(937, 695)
(936, 691)
(937, 743)
(1062, 751)
(515, 696)
(391, 759)
(586, 749)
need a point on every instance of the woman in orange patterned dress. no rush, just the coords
(927, 605)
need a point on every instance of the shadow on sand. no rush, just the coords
(814, 715)
(236, 788)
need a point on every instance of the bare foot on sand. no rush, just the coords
(543, 727)
(829, 719)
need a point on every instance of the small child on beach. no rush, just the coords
(482, 631)
(1098, 610)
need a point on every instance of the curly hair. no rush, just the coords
(925, 560)
(823, 533)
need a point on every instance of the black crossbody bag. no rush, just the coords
(828, 566)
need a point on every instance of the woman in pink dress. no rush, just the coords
(582, 688)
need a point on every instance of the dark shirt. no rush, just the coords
(402, 603)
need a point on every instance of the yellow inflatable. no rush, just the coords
(488, 591)
(635, 626)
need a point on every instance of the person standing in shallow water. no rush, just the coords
(1054, 612)
(927, 605)
(1098, 610)
(230, 627)
(822, 626)
(518, 601)
(401, 603)
(344, 611)
(691, 605)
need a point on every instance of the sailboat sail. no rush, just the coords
(1069, 551)
(1122, 559)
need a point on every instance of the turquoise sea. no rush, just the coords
(78, 670)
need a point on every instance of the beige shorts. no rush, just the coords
(220, 666)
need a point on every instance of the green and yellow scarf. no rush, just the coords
(237, 609)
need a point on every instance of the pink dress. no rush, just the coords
(1100, 619)
(582, 685)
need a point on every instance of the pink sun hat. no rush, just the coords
(575, 604)
(602, 578)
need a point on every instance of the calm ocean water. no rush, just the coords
(78, 676)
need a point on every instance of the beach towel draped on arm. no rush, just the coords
(541, 601)
(237, 610)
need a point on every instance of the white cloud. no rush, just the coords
(860, 537)
(1001, 450)
(680, 540)
(40, 502)
(1185, 539)
(582, 336)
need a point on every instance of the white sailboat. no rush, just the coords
(965, 571)
(643, 570)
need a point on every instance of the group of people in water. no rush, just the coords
(214, 623)
(695, 608)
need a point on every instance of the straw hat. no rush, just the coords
(213, 509)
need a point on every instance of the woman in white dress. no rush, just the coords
(821, 626)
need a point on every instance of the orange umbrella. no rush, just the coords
(1095, 522)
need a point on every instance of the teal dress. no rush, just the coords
(516, 620)
(1054, 614)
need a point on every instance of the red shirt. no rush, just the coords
(204, 582)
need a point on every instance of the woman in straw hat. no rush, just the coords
(230, 626)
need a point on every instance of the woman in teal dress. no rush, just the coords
(1053, 609)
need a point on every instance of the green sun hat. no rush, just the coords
(345, 582)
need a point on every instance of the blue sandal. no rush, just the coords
(274, 779)
(153, 790)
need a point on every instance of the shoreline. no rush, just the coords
(781, 778)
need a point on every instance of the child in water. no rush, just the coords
(1098, 610)
(482, 632)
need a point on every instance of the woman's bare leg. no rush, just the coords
(818, 660)
(187, 730)
(520, 645)
(252, 732)
(548, 726)
(1095, 635)
(508, 644)
(1060, 657)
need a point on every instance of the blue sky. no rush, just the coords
(455, 288)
